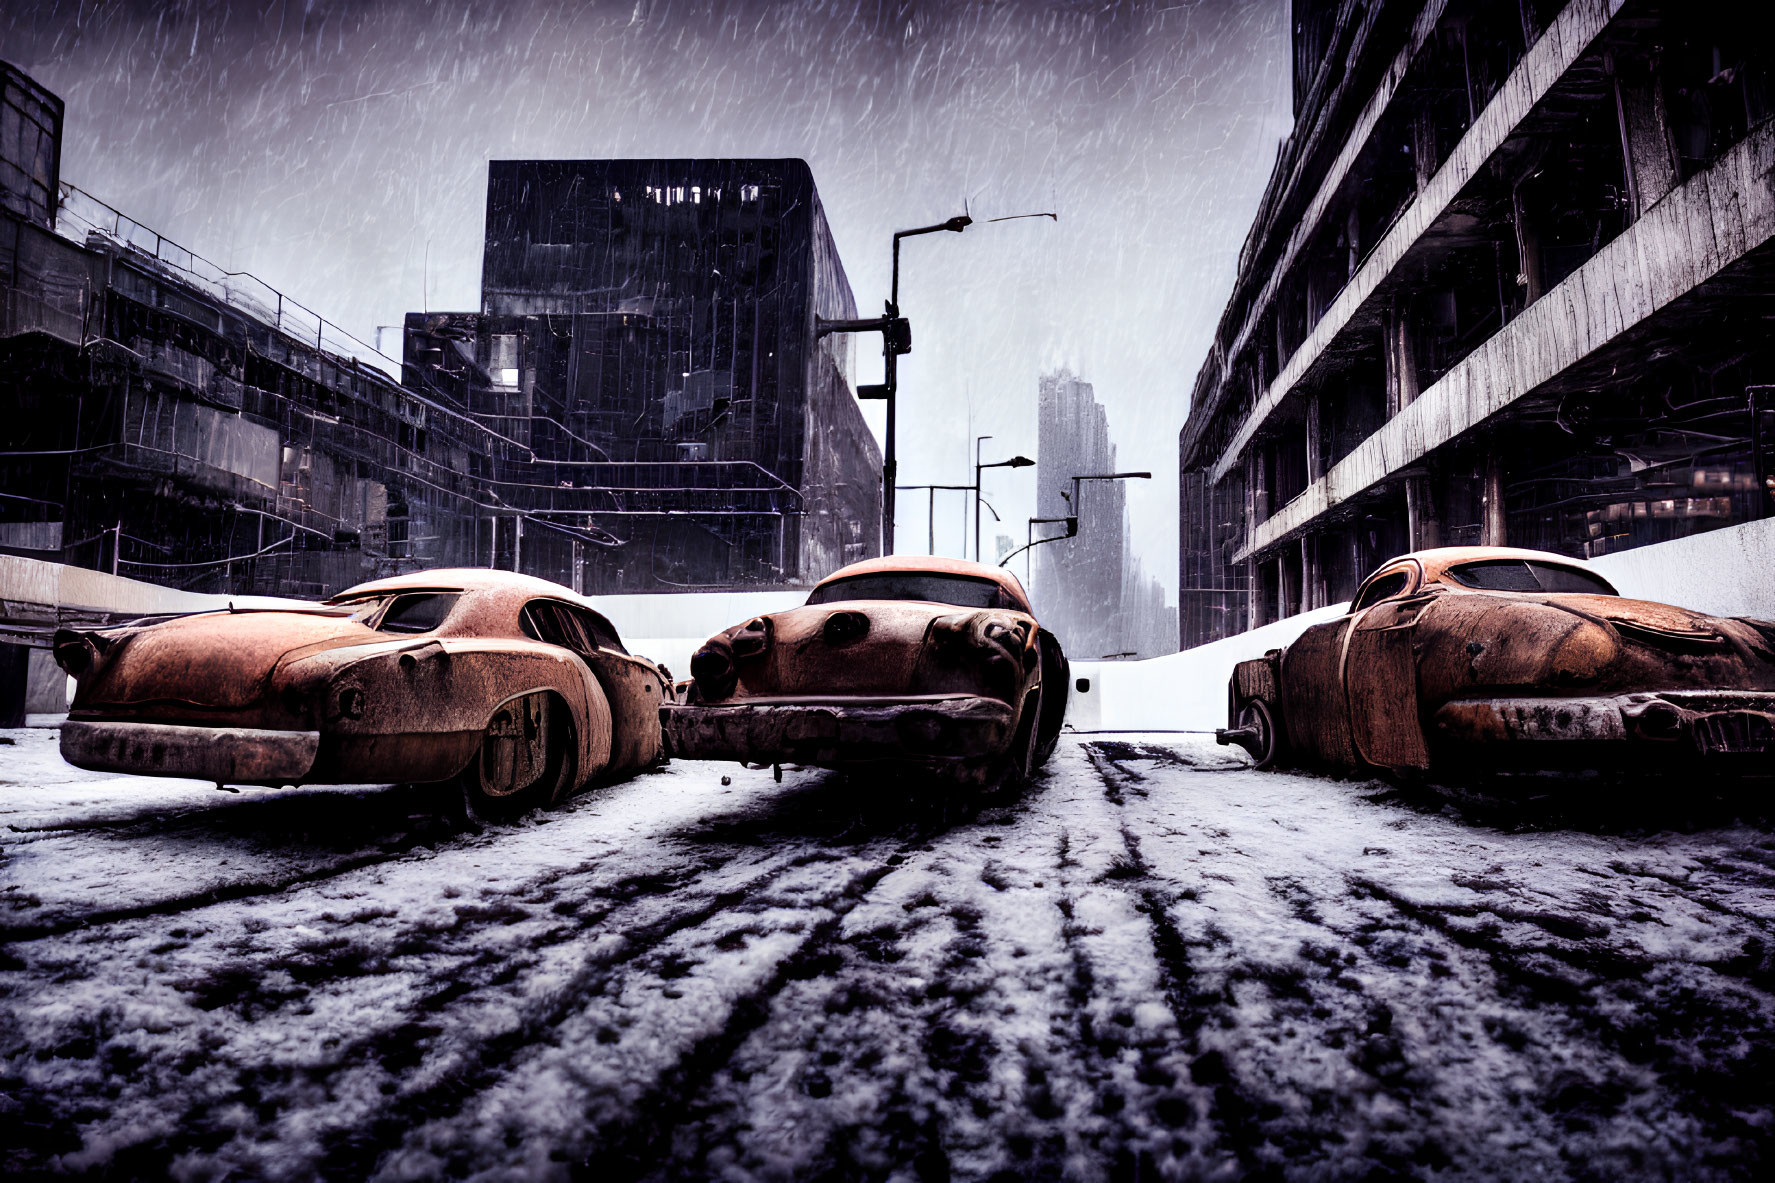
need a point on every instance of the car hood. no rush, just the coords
(1568, 643)
(217, 659)
(1645, 613)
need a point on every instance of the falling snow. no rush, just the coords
(338, 150)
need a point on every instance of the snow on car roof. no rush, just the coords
(934, 564)
(456, 579)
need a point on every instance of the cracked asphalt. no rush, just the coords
(1154, 963)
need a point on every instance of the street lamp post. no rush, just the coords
(1105, 476)
(1072, 520)
(1072, 530)
(1013, 462)
(896, 339)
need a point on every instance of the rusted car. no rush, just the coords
(928, 663)
(508, 686)
(1472, 661)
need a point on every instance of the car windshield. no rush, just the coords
(1528, 575)
(964, 591)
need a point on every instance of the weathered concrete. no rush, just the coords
(1564, 42)
(1702, 228)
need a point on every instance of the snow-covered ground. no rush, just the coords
(1156, 963)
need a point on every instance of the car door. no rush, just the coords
(634, 686)
(1380, 678)
(1315, 713)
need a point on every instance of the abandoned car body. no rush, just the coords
(508, 684)
(930, 662)
(1481, 660)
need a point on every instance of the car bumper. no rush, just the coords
(243, 755)
(1724, 723)
(932, 730)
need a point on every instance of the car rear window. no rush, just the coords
(417, 613)
(1527, 575)
(1383, 588)
(964, 591)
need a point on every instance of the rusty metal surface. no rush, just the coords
(954, 735)
(1429, 679)
(221, 754)
(811, 669)
(1737, 722)
(387, 707)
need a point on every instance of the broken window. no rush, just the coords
(502, 363)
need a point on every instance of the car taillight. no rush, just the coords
(842, 628)
(77, 651)
(997, 644)
(752, 640)
(712, 669)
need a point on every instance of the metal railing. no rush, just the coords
(81, 216)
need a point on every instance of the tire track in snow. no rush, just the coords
(1229, 1112)
(571, 1021)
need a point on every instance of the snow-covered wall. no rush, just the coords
(1178, 692)
(1728, 572)
(668, 627)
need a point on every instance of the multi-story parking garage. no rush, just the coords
(1510, 283)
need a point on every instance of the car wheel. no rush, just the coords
(525, 757)
(1264, 744)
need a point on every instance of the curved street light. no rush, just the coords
(1013, 462)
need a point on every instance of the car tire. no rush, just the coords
(525, 758)
(1017, 766)
(1266, 748)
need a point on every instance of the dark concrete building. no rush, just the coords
(647, 330)
(1509, 284)
(642, 402)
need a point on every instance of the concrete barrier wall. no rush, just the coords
(669, 627)
(1178, 692)
(45, 585)
(1728, 572)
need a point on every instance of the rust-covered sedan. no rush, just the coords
(928, 663)
(509, 686)
(1481, 660)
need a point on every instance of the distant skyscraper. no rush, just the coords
(1078, 583)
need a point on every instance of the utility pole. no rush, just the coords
(896, 339)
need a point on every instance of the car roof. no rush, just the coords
(1437, 560)
(462, 579)
(934, 564)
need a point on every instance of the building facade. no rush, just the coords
(643, 402)
(1509, 284)
(174, 422)
(648, 329)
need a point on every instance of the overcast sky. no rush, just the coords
(338, 151)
